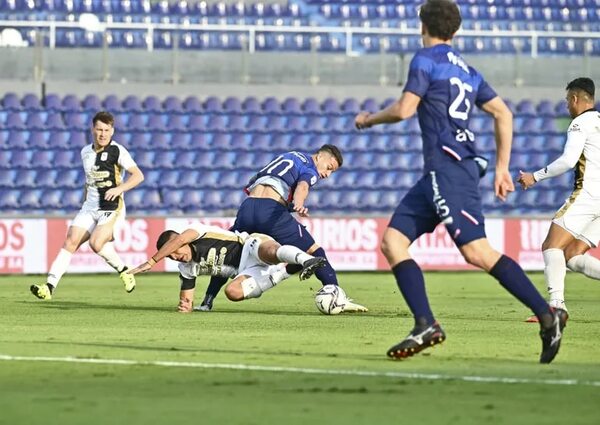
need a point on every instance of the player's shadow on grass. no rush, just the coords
(209, 350)
(75, 305)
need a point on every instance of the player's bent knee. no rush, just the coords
(96, 245)
(234, 292)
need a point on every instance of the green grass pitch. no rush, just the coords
(276, 360)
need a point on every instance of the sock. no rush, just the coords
(411, 283)
(555, 271)
(254, 287)
(291, 254)
(111, 257)
(512, 277)
(215, 285)
(586, 264)
(325, 274)
(58, 268)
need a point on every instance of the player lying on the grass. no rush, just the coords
(104, 162)
(255, 262)
(442, 88)
(575, 227)
(279, 189)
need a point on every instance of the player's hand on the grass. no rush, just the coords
(112, 194)
(301, 210)
(503, 184)
(526, 179)
(141, 268)
(360, 122)
(185, 305)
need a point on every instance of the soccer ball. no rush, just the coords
(330, 299)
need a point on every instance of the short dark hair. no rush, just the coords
(333, 151)
(165, 237)
(441, 17)
(583, 83)
(105, 117)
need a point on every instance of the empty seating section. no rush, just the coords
(197, 154)
(503, 15)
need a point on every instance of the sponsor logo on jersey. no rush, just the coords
(313, 180)
(104, 156)
(574, 127)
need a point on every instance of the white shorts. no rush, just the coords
(580, 216)
(89, 219)
(250, 264)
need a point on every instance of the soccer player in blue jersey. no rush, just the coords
(277, 190)
(442, 89)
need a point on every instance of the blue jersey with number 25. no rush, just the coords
(289, 169)
(449, 89)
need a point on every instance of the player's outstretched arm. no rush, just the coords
(402, 109)
(135, 178)
(167, 249)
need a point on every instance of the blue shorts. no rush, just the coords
(260, 215)
(448, 195)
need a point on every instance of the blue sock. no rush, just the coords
(412, 285)
(512, 277)
(325, 274)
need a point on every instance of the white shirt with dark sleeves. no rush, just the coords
(104, 170)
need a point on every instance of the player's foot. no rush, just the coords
(128, 280)
(207, 304)
(351, 307)
(554, 304)
(43, 292)
(418, 340)
(309, 267)
(552, 336)
(185, 305)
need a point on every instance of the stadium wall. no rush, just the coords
(30, 245)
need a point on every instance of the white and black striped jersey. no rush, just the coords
(215, 252)
(104, 170)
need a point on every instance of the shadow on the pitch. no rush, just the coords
(75, 305)
(207, 350)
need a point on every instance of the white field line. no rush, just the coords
(310, 371)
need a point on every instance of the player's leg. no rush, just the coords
(555, 265)
(243, 218)
(512, 277)
(255, 279)
(101, 243)
(575, 251)
(271, 252)
(411, 219)
(77, 234)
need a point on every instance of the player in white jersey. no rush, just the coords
(575, 227)
(253, 261)
(104, 162)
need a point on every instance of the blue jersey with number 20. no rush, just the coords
(449, 89)
(289, 169)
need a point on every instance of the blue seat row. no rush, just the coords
(192, 105)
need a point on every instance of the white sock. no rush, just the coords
(254, 287)
(111, 257)
(292, 255)
(586, 264)
(555, 271)
(59, 267)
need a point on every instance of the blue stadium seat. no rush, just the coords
(173, 105)
(9, 199)
(91, 103)
(11, 102)
(152, 104)
(72, 199)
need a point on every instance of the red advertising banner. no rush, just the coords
(134, 240)
(22, 245)
(351, 243)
